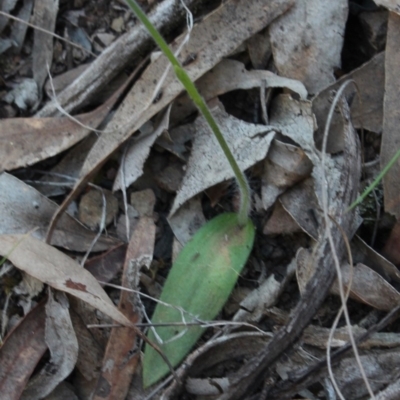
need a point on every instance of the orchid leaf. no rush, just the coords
(200, 282)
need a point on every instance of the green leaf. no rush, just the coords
(200, 282)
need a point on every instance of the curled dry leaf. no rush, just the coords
(208, 166)
(381, 367)
(284, 166)
(231, 75)
(265, 296)
(133, 161)
(362, 253)
(366, 110)
(299, 41)
(367, 286)
(23, 208)
(59, 271)
(216, 351)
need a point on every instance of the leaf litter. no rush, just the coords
(285, 54)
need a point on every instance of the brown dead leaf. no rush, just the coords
(59, 271)
(23, 208)
(280, 222)
(21, 352)
(63, 346)
(299, 41)
(25, 141)
(391, 118)
(122, 354)
(107, 265)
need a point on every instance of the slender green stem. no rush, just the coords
(375, 183)
(202, 106)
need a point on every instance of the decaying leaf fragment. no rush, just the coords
(23, 208)
(59, 271)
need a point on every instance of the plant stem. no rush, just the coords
(375, 183)
(202, 106)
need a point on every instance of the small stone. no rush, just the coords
(118, 24)
(91, 208)
(143, 202)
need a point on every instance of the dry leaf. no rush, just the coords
(63, 346)
(59, 271)
(90, 353)
(231, 75)
(69, 166)
(366, 108)
(208, 166)
(366, 285)
(21, 352)
(362, 253)
(122, 353)
(284, 166)
(23, 208)
(187, 220)
(25, 141)
(280, 222)
(391, 116)
(136, 155)
(300, 38)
